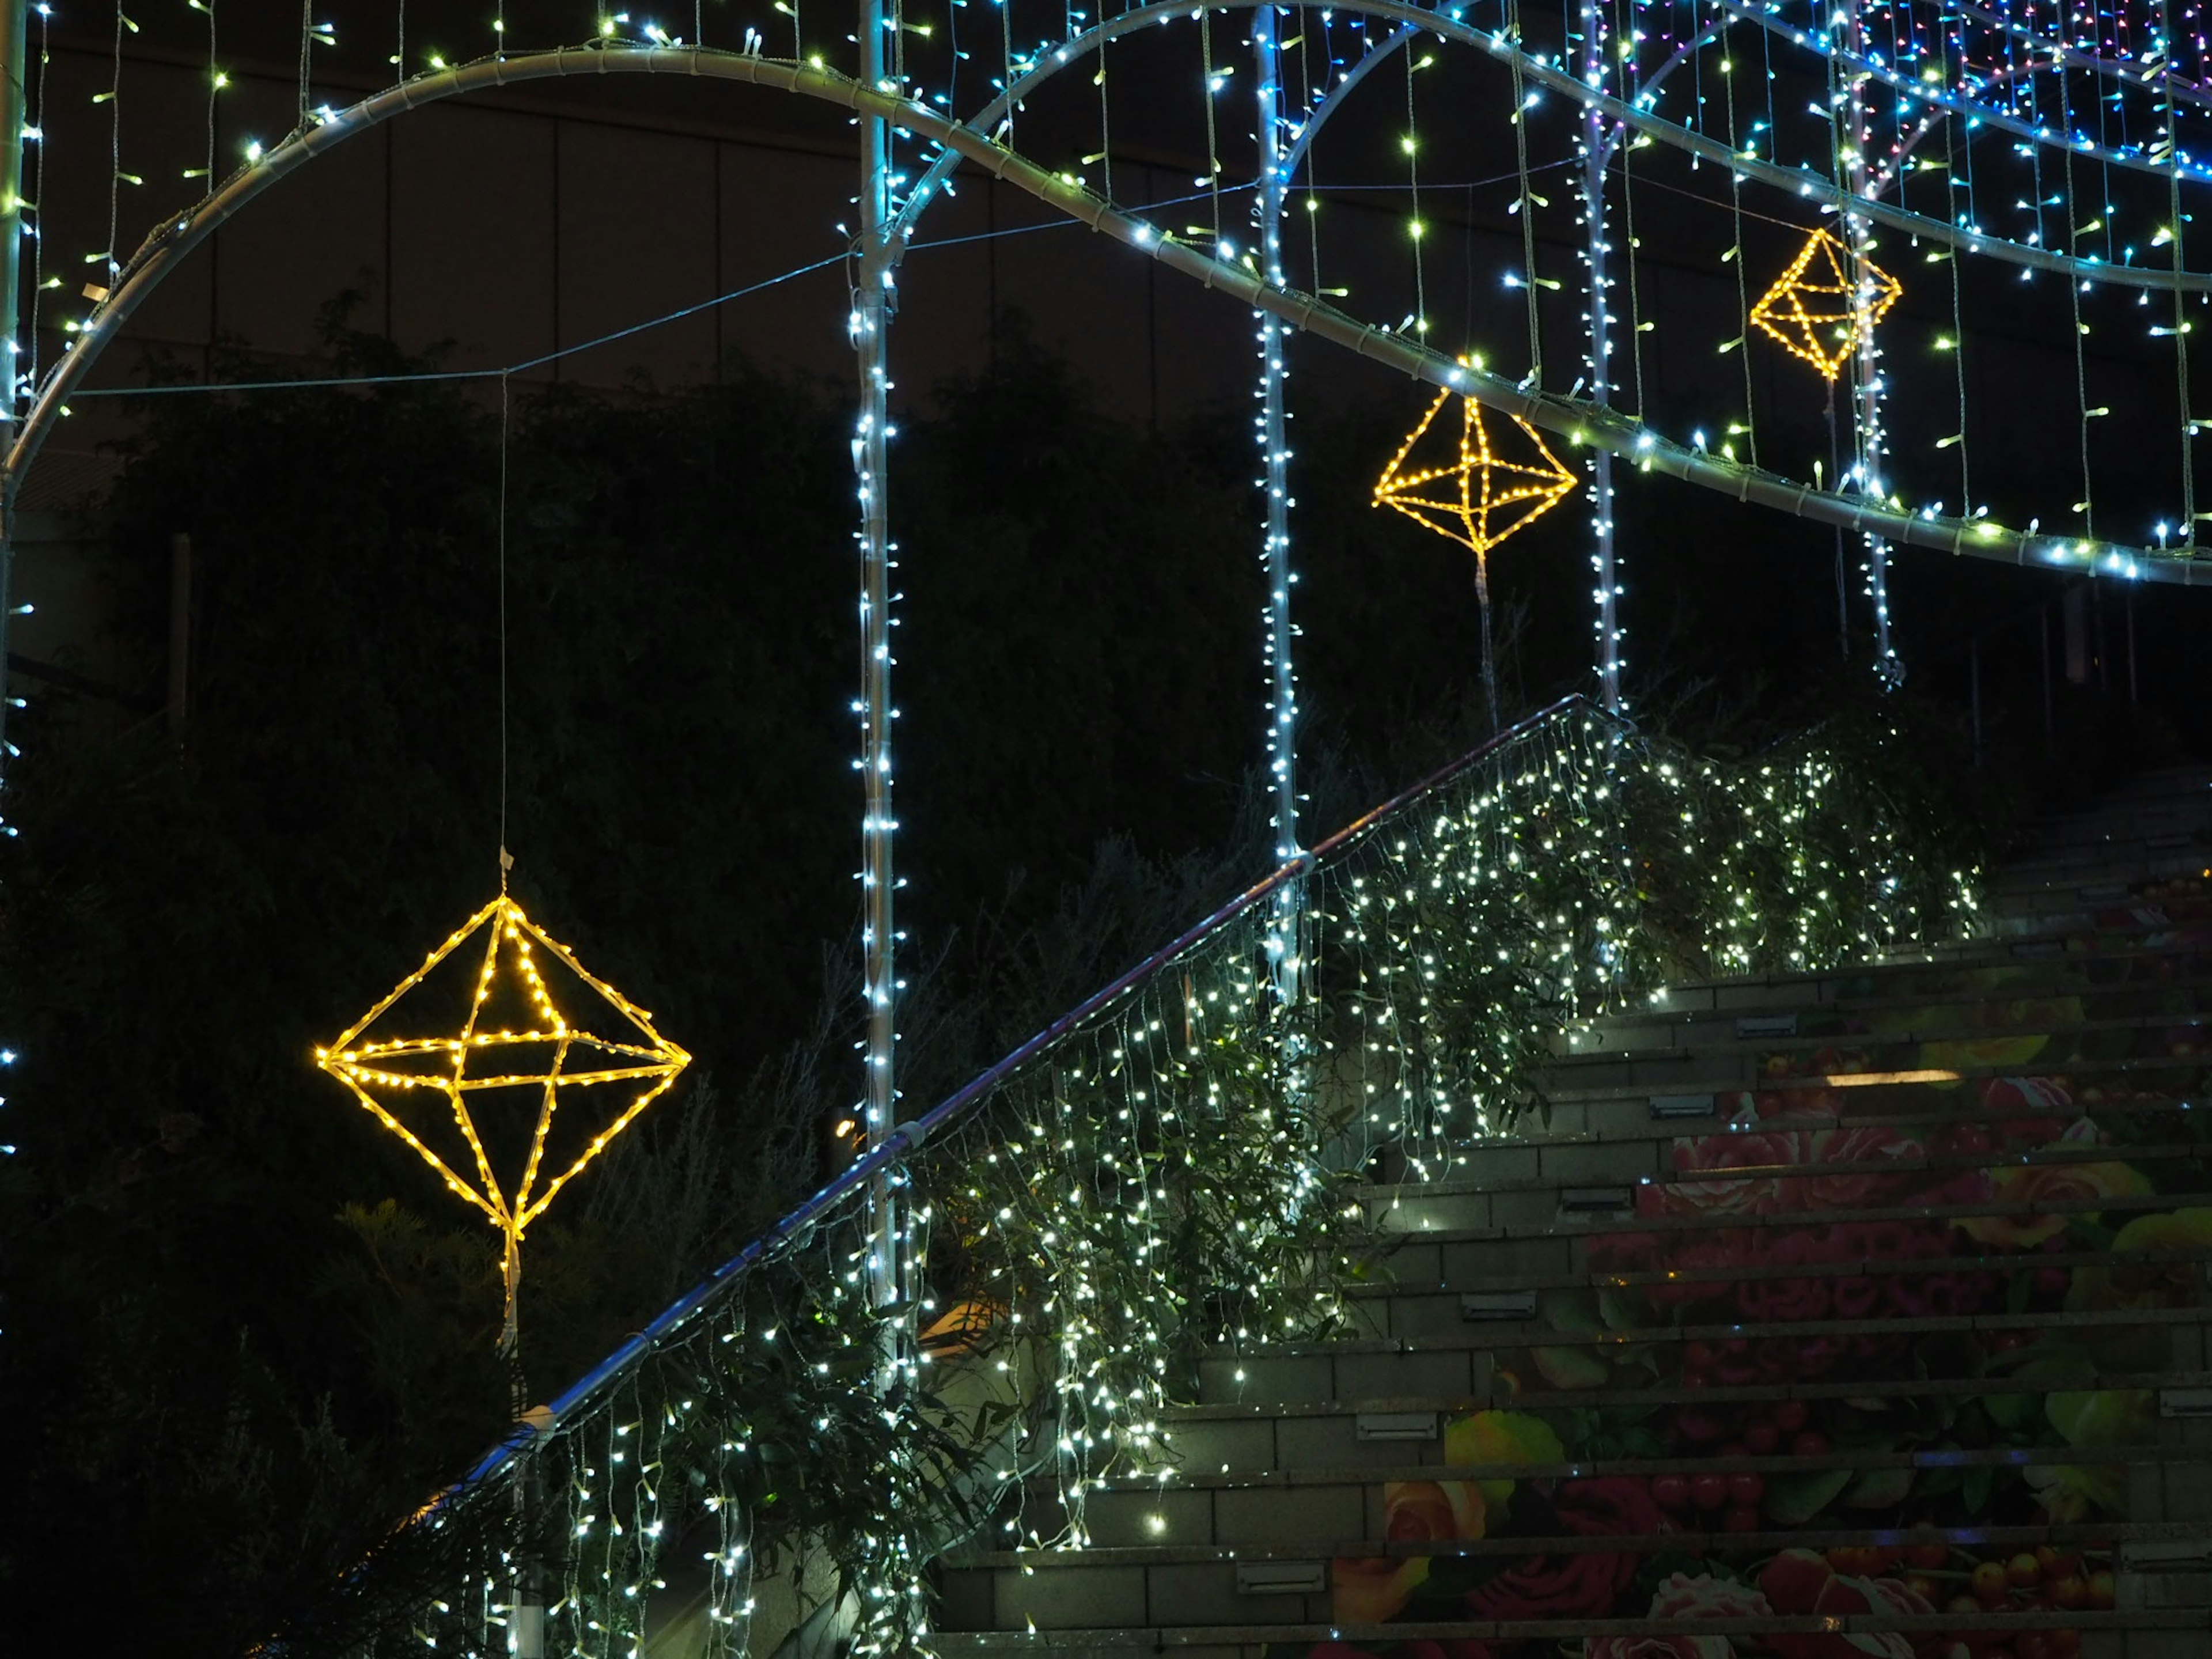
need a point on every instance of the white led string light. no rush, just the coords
(1495, 840)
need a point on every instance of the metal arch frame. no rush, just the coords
(1865, 66)
(1801, 182)
(957, 141)
(2112, 68)
(1583, 423)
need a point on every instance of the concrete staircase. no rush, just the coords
(1822, 1317)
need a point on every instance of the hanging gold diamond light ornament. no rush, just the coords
(1475, 495)
(1813, 308)
(1472, 493)
(492, 1083)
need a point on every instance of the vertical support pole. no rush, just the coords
(1974, 693)
(2097, 637)
(871, 311)
(180, 632)
(1853, 140)
(15, 81)
(2132, 695)
(1596, 66)
(1286, 938)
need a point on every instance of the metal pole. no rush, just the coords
(180, 631)
(871, 311)
(1596, 66)
(1285, 943)
(15, 78)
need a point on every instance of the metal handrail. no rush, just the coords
(907, 1138)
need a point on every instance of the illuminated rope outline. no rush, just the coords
(354, 1063)
(1781, 312)
(1546, 483)
(1583, 423)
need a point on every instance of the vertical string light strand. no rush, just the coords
(870, 319)
(214, 84)
(1852, 138)
(1957, 168)
(506, 860)
(1272, 423)
(2087, 506)
(1308, 102)
(1212, 81)
(1523, 203)
(110, 265)
(1412, 144)
(1736, 257)
(13, 44)
(1105, 123)
(2168, 141)
(27, 343)
(1597, 323)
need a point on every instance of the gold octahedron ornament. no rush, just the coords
(492, 1083)
(1813, 308)
(1474, 493)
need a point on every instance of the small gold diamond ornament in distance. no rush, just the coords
(1814, 310)
(496, 1085)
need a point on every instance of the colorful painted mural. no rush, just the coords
(1886, 1341)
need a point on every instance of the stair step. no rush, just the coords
(1518, 1215)
(1879, 1080)
(1932, 971)
(1413, 1266)
(2086, 992)
(2147, 1633)
(1643, 1172)
(1668, 1026)
(1729, 1111)
(2186, 1387)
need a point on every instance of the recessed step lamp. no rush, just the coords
(1481, 1307)
(1395, 1425)
(1765, 1025)
(2185, 1402)
(1596, 1200)
(2178, 1555)
(1281, 1577)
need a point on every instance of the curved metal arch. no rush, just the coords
(1802, 183)
(1582, 424)
(2112, 68)
(1937, 98)
(1332, 99)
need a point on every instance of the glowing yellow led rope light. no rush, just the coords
(1479, 490)
(580, 1060)
(1814, 310)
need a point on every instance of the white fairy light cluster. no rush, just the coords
(1170, 1178)
(1153, 1182)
